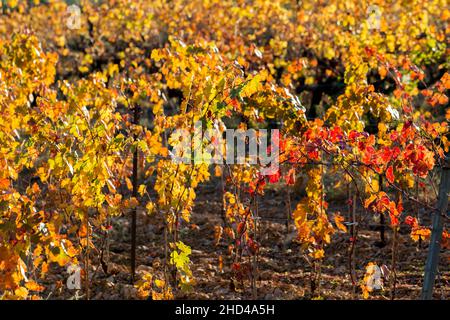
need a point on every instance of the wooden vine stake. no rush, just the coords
(436, 234)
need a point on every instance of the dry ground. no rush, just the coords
(283, 271)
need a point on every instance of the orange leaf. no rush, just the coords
(33, 286)
(382, 71)
(446, 80)
(4, 184)
(443, 99)
(338, 221)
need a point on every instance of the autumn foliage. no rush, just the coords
(366, 104)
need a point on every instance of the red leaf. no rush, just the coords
(273, 178)
(411, 221)
(290, 177)
(390, 174)
(241, 228)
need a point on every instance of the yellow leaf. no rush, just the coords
(12, 3)
(150, 207)
(317, 254)
(142, 190)
(159, 283)
(21, 292)
(129, 184)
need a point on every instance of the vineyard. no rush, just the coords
(117, 179)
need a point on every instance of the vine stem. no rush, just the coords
(322, 211)
(351, 254)
(382, 217)
(135, 193)
(394, 263)
(86, 263)
(166, 254)
(255, 255)
(288, 207)
(222, 185)
(419, 243)
(394, 257)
